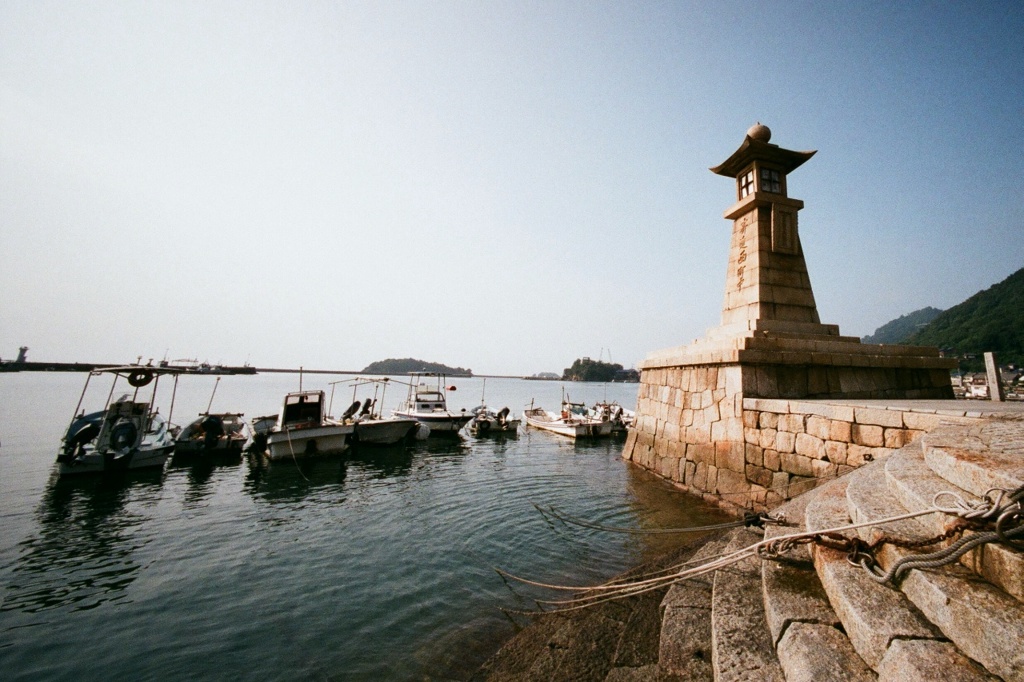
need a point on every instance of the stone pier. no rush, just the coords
(696, 424)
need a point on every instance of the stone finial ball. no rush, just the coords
(759, 132)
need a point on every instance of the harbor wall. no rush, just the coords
(695, 428)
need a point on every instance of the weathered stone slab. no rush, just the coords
(984, 622)
(685, 643)
(915, 486)
(922, 659)
(742, 645)
(791, 590)
(766, 405)
(872, 615)
(646, 673)
(809, 652)
(868, 499)
(889, 418)
(978, 458)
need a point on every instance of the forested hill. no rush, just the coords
(991, 320)
(903, 327)
(407, 365)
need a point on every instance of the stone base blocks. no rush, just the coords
(695, 428)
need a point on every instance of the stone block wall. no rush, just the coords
(695, 428)
(847, 380)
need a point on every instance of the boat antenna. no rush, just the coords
(174, 393)
(210, 404)
(300, 377)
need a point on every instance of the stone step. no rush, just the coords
(915, 485)
(684, 646)
(805, 629)
(873, 616)
(979, 457)
(982, 621)
(923, 659)
(742, 647)
(869, 500)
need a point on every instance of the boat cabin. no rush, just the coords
(306, 407)
(427, 400)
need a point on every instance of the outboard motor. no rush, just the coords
(502, 415)
(213, 429)
(350, 411)
(81, 432)
(123, 434)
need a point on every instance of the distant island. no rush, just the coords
(410, 365)
(585, 369)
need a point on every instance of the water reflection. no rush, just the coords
(199, 474)
(382, 461)
(289, 480)
(83, 553)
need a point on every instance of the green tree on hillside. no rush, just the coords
(991, 320)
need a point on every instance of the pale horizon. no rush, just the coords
(503, 186)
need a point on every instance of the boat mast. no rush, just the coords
(210, 404)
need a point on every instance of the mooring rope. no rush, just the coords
(747, 520)
(988, 510)
(288, 433)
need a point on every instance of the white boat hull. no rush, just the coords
(330, 439)
(573, 428)
(439, 422)
(93, 462)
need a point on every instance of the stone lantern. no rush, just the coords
(767, 288)
(770, 345)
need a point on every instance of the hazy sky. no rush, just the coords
(504, 186)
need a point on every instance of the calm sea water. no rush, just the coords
(378, 565)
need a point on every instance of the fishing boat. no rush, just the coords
(620, 418)
(259, 428)
(221, 433)
(573, 421)
(486, 421)
(213, 433)
(302, 429)
(427, 405)
(370, 427)
(128, 433)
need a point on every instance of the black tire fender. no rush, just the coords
(140, 378)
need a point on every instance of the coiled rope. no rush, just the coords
(985, 510)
